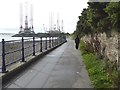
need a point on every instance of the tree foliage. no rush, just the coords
(99, 17)
(113, 10)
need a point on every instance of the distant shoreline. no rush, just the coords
(7, 33)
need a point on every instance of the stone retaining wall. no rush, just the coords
(108, 46)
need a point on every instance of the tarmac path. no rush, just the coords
(61, 68)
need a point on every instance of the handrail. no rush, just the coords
(13, 40)
(26, 49)
(13, 62)
(13, 51)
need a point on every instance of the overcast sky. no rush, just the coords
(68, 10)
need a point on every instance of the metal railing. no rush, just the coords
(18, 50)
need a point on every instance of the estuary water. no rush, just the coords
(8, 36)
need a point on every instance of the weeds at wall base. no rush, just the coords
(103, 73)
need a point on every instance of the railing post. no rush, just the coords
(57, 41)
(46, 44)
(52, 42)
(49, 42)
(23, 58)
(64, 38)
(60, 40)
(3, 57)
(40, 44)
(33, 46)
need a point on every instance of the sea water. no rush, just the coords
(8, 37)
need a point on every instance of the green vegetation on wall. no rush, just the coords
(103, 74)
(99, 17)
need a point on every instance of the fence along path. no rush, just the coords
(18, 50)
(61, 68)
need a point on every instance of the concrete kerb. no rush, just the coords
(12, 74)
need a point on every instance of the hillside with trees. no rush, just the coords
(99, 29)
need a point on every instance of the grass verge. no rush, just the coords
(102, 74)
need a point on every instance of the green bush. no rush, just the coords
(85, 47)
(73, 36)
(82, 47)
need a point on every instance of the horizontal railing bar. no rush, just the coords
(13, 61)
(31, 45)
(13, 51)
(27, 46)
(13, 40)
(28, 38)
(37, 44)
(19, 40)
